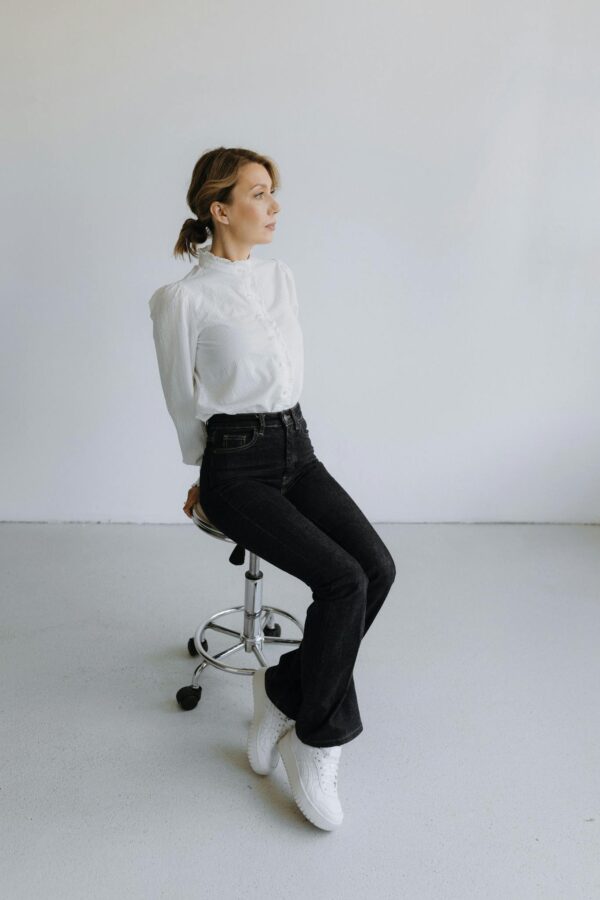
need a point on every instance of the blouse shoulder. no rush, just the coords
(284, 266)
(175, 297)
(290, 283)
(287, 272)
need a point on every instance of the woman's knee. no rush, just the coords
(347, 578)
(383, 568)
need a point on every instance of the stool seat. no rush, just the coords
(206, 525)
(258, 626)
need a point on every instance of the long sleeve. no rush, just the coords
(175, 331)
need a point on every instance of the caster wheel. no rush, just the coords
(272, 631)
(192, 646)
(189, 697)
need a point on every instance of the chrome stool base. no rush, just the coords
(259, 626)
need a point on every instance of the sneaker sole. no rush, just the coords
(258, 694)
(303, 801)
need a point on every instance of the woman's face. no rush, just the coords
(252, 209)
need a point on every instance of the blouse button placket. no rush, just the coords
(274, 332)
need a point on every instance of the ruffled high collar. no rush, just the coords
(208, 260)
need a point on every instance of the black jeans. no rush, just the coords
(262, 485)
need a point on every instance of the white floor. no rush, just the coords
(476, 776)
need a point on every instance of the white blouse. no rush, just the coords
(228, 339)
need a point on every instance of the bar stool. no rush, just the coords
(258, 625)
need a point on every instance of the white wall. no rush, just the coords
(440, 199)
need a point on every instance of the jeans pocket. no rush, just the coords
(233, 438)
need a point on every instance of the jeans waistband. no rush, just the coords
(263, 420)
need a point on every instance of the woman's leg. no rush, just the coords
(313, 684)
(325, 502)
(319, 497)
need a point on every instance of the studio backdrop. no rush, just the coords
(439, 207)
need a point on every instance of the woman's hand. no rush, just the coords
(193, 499)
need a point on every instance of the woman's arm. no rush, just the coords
(175, 332)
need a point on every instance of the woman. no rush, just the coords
(230, 352)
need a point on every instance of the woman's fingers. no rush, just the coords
(192, 499)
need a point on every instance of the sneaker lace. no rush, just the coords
(328, 761)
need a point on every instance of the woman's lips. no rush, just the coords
(272, 227)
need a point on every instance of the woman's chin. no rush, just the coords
(265, 238)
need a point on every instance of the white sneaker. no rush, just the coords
(268, 725)
(312, 773)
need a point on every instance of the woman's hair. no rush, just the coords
(213, 178)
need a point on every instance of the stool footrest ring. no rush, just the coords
(250, 644)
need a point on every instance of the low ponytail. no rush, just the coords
(192, 234)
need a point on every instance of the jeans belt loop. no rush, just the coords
(261, 423)
(296, 418)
